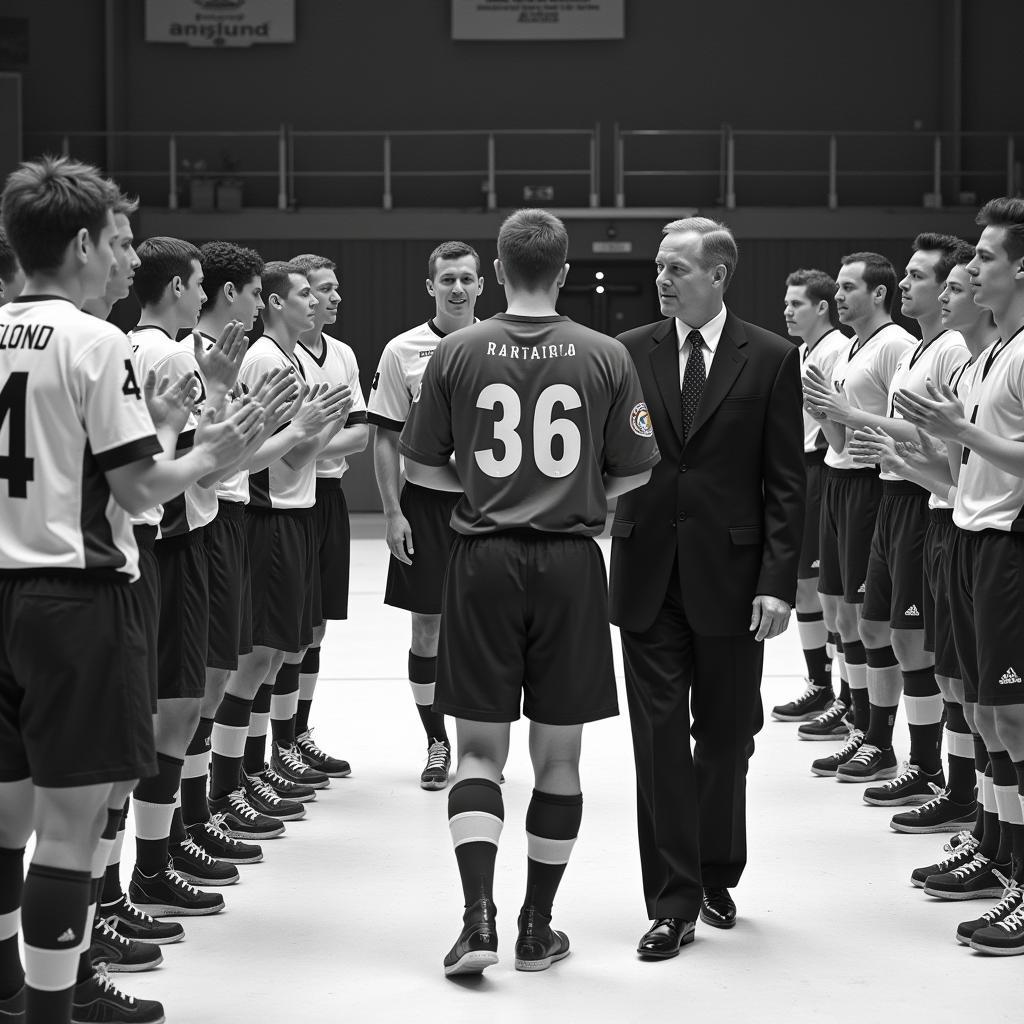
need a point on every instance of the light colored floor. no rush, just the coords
(349, 915)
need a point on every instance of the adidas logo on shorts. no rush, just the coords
(860, 589)
(912, 612)
(816, 564)
(1009, 677)
(68, 936)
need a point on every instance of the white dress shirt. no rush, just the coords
(711, 332)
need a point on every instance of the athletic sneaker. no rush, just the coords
(477, 945)
(241, 820)
(288, 762)
(195, 865)
(828, 766)
(320, 760)
(939, 815)
(126, 919)
(99, 1000)
(212, 837)
(264, 800)
(12, 1009)
(811, 703)
(1013, 896)
(285, 788)
(167, 894)
(1004, 938)
(439, 763)
(979, 878)
(538, 945)
(833, 724)
(120, 954)
(961, 848)
(868, 764)
(912, 785)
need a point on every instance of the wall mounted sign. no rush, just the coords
(220, 22)
(534, 20)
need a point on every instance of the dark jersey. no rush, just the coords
(536, 409)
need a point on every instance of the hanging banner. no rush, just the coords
(533, 20)
(220, 22)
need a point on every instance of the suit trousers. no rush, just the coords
(691, 805)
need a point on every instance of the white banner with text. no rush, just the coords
(536, 20)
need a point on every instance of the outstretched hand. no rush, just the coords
(220, 363)
(941, 413)
(170, 403)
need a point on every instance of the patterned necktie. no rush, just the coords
(694, 378)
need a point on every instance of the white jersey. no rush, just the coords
(961, 380)
(988, 498)
(278, 486)
(397, 380)
(864, 371)
(827, 349)
(336, 364)
(154, 349)
(71, 409)
(236, 486)
(935, 361)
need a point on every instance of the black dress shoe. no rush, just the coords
(663, 940)
(717, 908)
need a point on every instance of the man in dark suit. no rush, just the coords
(704, 564)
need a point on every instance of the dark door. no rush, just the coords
(608, 296)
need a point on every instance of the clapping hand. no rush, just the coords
(823, 400)
(323, 405)
(941, 414)
(220, 363)
(170, 404)
(871, 445)
(230, 432)
(276, 393)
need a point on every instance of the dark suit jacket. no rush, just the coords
(732, 501)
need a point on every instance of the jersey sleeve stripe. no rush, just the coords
(382, 421)
(186, 439)
(424, 459)
(356, 418)
(125, 454)
(652, 460)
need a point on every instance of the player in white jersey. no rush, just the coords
(417, 519)
(12, 277)
(73, 716)
(856, 394)
(326, 360)
(811, 316)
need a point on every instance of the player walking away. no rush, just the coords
(856, 393)
(987, 579)
(325, 360)
(811, 316)
(417, 519)
(12, 277)
(546, 420)
(73, 719)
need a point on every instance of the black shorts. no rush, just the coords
(938, 628)
(895, 579)
(282, 549)
(417, 587)
(986, 595)
(148, 587)
(333, 547)
(849, 504)
(526, 618)
(227, 554)
(809, 562)
(74, 702)
(184, 616)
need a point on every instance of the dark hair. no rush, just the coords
(717, 244)
(309, 262)
(161, 260)
(1007, 213)
(223, 262)
(46, 202)
(877, 271)
(819, 287)
(532, 246)
(965, 252)
(276, 278)
(945, 245)
(8, 260)
(451, 251)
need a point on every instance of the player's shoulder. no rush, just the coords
(343, 349)
(414, 339)
(894, 335)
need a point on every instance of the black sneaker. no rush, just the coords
(828, 766)
(812, 702)
(961, 848)
(320, 760)
(939, 815)
(212, 837)
(99, 1001)
(126, 919)
(285, 788)
(439, 763)
(241, 820)
(195, 865)
(538, 945)
(12, 1009)
(288, 762)
(1013, 896)
(833, 724)
(477, 945)
(120, 954)
(979, 878)
(264, 800)
(1004, 938)
(167, 894)
(869, 764)
(912, 785)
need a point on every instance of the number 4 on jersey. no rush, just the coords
(15, 466)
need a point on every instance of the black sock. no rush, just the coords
(310, 667)
(422, 672)
(12, 880)
(195, 808)
(112, 876)
(960, 778)
(881, 721)
(230, 728)
(552, 825)
(856, 662)
(154, 805)
(925, 738)
(476, 813)
(283, 702)
(1003, 778)
(819, 666)
(178, 833)
(256, 742)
